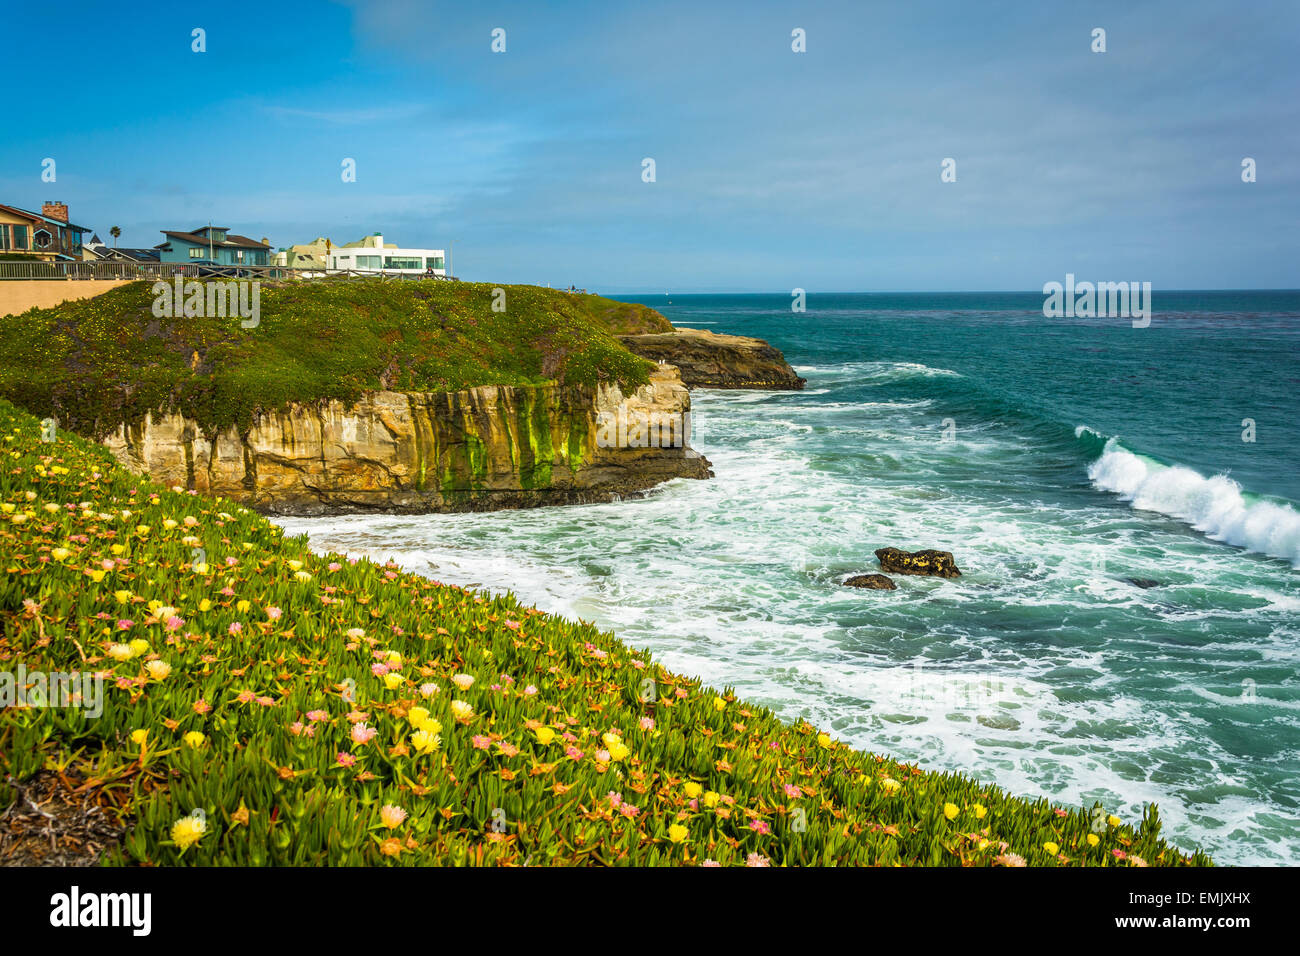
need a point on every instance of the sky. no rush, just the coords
(774, 169)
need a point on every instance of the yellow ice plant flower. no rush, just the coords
(96, 576)
(1114, 820)
(169, 523)
(425, 742)
(618, 751)
(824, 741)
(463, 681)
(60, 554)
(194, 739)
(120, 652)
(461, 710)
(205, 605)
(139, 646)
(138, 737)
(188, 830)
(393, 680)
(1093, 839)
(200, 567)
(243, 606)
(51, 507)
(295, 565)
(1051, 848)
(677, 833)
(950, 810)
(692, 789)
(981, 811)
(394, 659)
(417, 715)
(302, 577)
(158, 670)
(889, 784)
(356, 633)
(544, 735)
(711, 798)
(719, 704)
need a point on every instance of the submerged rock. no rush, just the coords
(873, 582)
(1143, 583)
(935, 563)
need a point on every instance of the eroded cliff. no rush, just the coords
(478, 449)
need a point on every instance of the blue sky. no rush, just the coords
(775, 170)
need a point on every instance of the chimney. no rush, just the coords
(55, 210)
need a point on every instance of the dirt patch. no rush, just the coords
(54, 821)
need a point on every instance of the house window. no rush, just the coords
(196, 252)
(20, 237)
(42, 239)
(4, 235)
(401, 262)
(239, 255)
(367, 262)
(434, 262)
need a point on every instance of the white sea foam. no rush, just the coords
(1215, 506)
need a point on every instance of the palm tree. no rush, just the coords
(115, 232)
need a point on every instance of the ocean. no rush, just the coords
(1122, 502)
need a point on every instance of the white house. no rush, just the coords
(372, 254)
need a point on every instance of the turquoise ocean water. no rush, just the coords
(1057, 459)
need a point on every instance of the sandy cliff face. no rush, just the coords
(475, 450)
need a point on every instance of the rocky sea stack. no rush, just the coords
(709, 360)
(934, 563)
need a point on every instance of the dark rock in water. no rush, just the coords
(1143, 583)
(937, 563)
(709, 360)
(873, 582)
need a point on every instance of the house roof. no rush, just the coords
(139, 255)
(37, 217)
(230, 240)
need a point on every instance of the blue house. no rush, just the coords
(212, 246)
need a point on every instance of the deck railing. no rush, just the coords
(118, 269)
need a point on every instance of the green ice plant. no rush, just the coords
(269, 706)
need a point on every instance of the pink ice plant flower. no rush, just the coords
(362, 734)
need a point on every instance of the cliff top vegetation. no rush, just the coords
(100, 362)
